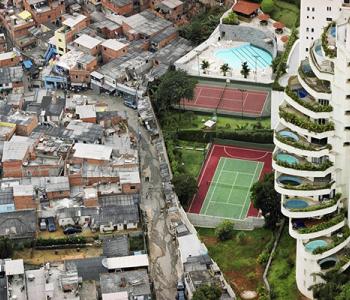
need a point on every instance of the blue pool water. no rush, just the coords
(318, 50)
(249, 53)
(311, 246)
(289, 134)
(296, 203)
(287, 158)
(302, 93)
(292, 180)
(333, 31)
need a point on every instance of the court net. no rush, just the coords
(227, 185)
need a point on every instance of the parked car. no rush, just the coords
(72, 230)
(130, 104)
(42, 224)
(51, 226)
(180, 295)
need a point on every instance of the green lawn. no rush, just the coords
(192, 160)
(282, 272)
(194, 120)
(286, 13)
(237, 258)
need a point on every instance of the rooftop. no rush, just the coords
(16, 148)
(18, 224)
(92, 151)
(125, 262)
(129, 177)
(87, 41)
(136, 283)
(72, 20)
(85, 111)
(14, 267)
(245, 7)
(113, 44)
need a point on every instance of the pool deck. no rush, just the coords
(206, 51)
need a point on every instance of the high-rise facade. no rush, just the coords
(312, 155)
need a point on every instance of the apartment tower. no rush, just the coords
(312, 138)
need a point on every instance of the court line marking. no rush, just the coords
(232, 156)
(229, 195)
(211, 196)
(251, 181)
(226, 203)
(244, 173)
(215, 87)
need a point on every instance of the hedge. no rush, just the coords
(263, 136)
(63, 241)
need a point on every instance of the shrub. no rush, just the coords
(263, 258)
(241, 237)
(231, 19)
(225, 230)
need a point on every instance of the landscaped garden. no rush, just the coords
(286, 12)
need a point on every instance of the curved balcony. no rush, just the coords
(303, 207)
(320, 89)
(293, 119)
(306, 229)
(328, 40)
(302, 187)
(298, 166)
(292, 142)
(320, 65)
(297, 97)
(323, 247)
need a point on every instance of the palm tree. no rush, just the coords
(245, 69)
(224, 69)
(205, 65)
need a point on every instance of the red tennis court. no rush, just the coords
(250, 102)
(207, 173)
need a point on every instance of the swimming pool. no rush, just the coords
(311, 246)
(289, 135)
(291, 180)
(333, 31)
(234, 57)
(290, 159)
(296, 203)
(318, 50)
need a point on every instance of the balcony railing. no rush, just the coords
(334, 241)
(318, 85)
(302, 144)
(322, 224)
(304, 165)
(298, 120)
(322, 64)
(310, 105)
(314, 207)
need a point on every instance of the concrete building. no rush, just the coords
(112, 49)
(118, 7)
(312, 148)
(9, 59)
(314, 16)
(45, 11)
(72, 24)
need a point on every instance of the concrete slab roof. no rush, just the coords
(113, 44)
(92, 151)
(87, 41)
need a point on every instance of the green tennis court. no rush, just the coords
(228, 195)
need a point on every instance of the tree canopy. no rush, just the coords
(267, 6)
(174, 86)
(267, 199)
(6, 248)
(224, 231)
(185, 187)
(206, 292)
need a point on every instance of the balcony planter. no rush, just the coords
(300, 145)
(324, 205)
(316, 107)
(307, 166)
(305, 123)
(322, 226)
(331, 53)
(335, 242)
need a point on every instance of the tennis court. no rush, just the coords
(225, 180)
(229, 190)
(223, 99)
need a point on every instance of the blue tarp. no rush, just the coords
(27, 64)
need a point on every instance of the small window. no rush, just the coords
(329, 19)
(76, 76)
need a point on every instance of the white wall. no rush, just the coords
(276, 100)
(314, 16)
